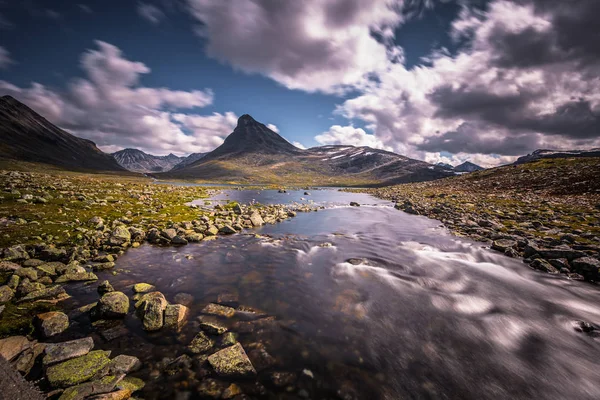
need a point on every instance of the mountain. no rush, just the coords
(445, 166)
(467, 167)
(137, 161)
(253, 153)
(541, 153)
(27, 136)
(192, 158)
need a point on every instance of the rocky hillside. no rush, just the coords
(547, 211)
(255, 154)
(27, 136)
(138, 161)
(540, 154)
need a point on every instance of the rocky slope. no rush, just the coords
(547, 211)
(540, 154)
(27, 136)
(254, 153)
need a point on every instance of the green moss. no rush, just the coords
(77, 370)
(17, 319)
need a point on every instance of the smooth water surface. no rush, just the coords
(373, 303)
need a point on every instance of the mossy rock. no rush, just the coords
(77, 370)
(142, 288)
(232, 362)
(113, 305)
(131, 383)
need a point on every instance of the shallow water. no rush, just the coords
(373, 303)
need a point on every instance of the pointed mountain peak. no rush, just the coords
(246, 119)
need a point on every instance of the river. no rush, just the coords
(368, 303)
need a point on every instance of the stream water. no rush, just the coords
(368, 303)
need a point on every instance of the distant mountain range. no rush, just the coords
(467, 166)
(538, 154)
(27, 136)
(137, 161)
(254, 153)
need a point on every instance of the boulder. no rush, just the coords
(217, 309)
(54, 292)
(51, 323)
(120, 235)
(82, 391)
(212, 325)
(179, 240)
(227, 230)
(256, 219)
(232, 362)
(105, 287)
(29, 273)
(354, 204)
(543, 265)
(588, 267)
(142, 288)
(12, 346)
(15, 253)
(6, 294)
(175, 316)
(76, 277)
(123, 364)
(7, 266)
(504, 244)
(152, 310)
(200, 344)
(113, 305)
(132, 384)
(58, 352)
(77, 370)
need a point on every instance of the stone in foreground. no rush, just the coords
(77, 370)
(12, 346)
(57, 352)
(232, 362)
(217, 309)
(152, 309)
(113, 305)
(142, 288)
(175, 316)
(51, 323)
(201, 344)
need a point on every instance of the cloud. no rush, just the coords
(272, 127)
(527, 76)
(150, 13)
(299, 145)
(349, 135)
(5, 60)
(112, 109)
(312, 45)
(85, 8)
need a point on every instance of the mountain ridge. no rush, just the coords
(139, 161)
(27, 136)
(256, 154)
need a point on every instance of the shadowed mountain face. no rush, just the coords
(250, 136)
(467, 166)
(27, 136)
(255, 154)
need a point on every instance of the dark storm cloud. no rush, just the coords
(476, 139)
(575, 36)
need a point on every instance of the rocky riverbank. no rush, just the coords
(59, 229)
(547, 212)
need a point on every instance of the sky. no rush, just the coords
(438, 80)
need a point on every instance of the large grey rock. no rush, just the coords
(113, 305)
(588, 267)
(58, 352)
(151, 308)
(51, 323)
(77, 370)
(123, 364)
